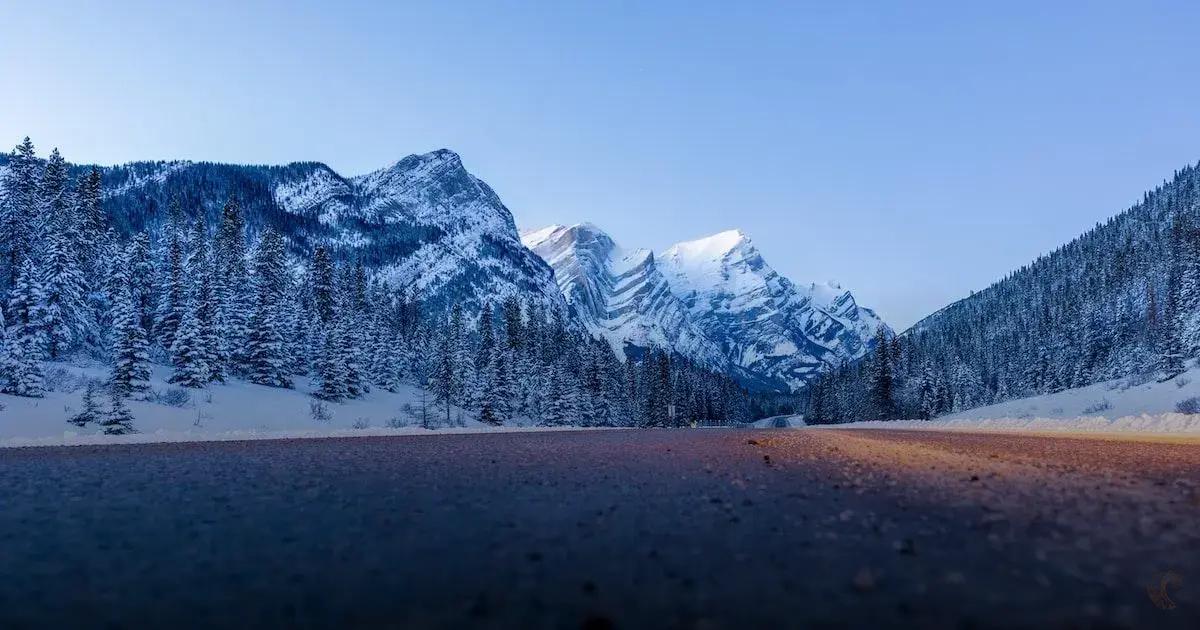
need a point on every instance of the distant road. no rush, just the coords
(686, 528)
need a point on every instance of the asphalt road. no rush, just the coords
(688, 528)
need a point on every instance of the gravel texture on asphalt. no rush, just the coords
(657, 528)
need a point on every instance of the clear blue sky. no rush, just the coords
(913, 153)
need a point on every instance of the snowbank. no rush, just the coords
(69, 438)
(1121, 398)
(1135, 405)
(233, 411)
(1164, 423)
(1128, 405)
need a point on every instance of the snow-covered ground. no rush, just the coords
(233, 411)
(1129, 405)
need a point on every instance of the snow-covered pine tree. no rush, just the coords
(119, 419)
(131, 360)
(462, 358)
(27, 312)
(20, 205)
(321, 280)
(65, 308)
(594, 410)
(264, 358)
(203, 305)
(348, 334)
(231, 289)
(481, 385)
(138, 274)
(442, 376)
(883, 403)
(517, 332)
(330, 371)
(559, 408)
(91, 409)
(296, 335)
(383, 358)
(928, 393)
(529, 384)
(24, 367)
(351, 323)
(265, 361)
(92, 224)
(20, 369)
(188, 352)
(500, 393)
(1170, 343)
(172, 296)
(56, 202)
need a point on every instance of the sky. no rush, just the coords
(913, 152)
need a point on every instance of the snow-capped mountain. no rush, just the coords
(424, 222)
(619, 294)
(714, 299)
(470, 248)
(780, 333)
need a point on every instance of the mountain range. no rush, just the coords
(715, 300)
(429, 226)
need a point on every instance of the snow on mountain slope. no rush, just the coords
(713, 299)
(618, 293)
(423, 222)
(472, 251)
(773, 329)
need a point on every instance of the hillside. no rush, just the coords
(1122, 299)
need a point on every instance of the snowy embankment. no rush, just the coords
(1161, 423)
(233, 411)
(1129, 405)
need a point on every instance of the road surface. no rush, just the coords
(684, 528)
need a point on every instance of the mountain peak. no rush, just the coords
(442, 155)
(533, 236)
(720, 242)
(706, 257)
(712, 247)
(579, 235)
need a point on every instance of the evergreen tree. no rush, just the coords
(266, 363)
(560, 396)
(321, 278)
(64, 296)
(464, 358)
(131, 360)
(91, 410)
(118, 420)
(231, 288)
(56, 202)
(928, 392)
(27, 312)
(20, 366)
(92, 224)
(496, 401)
(138, 274)
(172, 298)
(188, 351)
(330, 369)
(442, 376)
(881, 377)
(20, 204)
